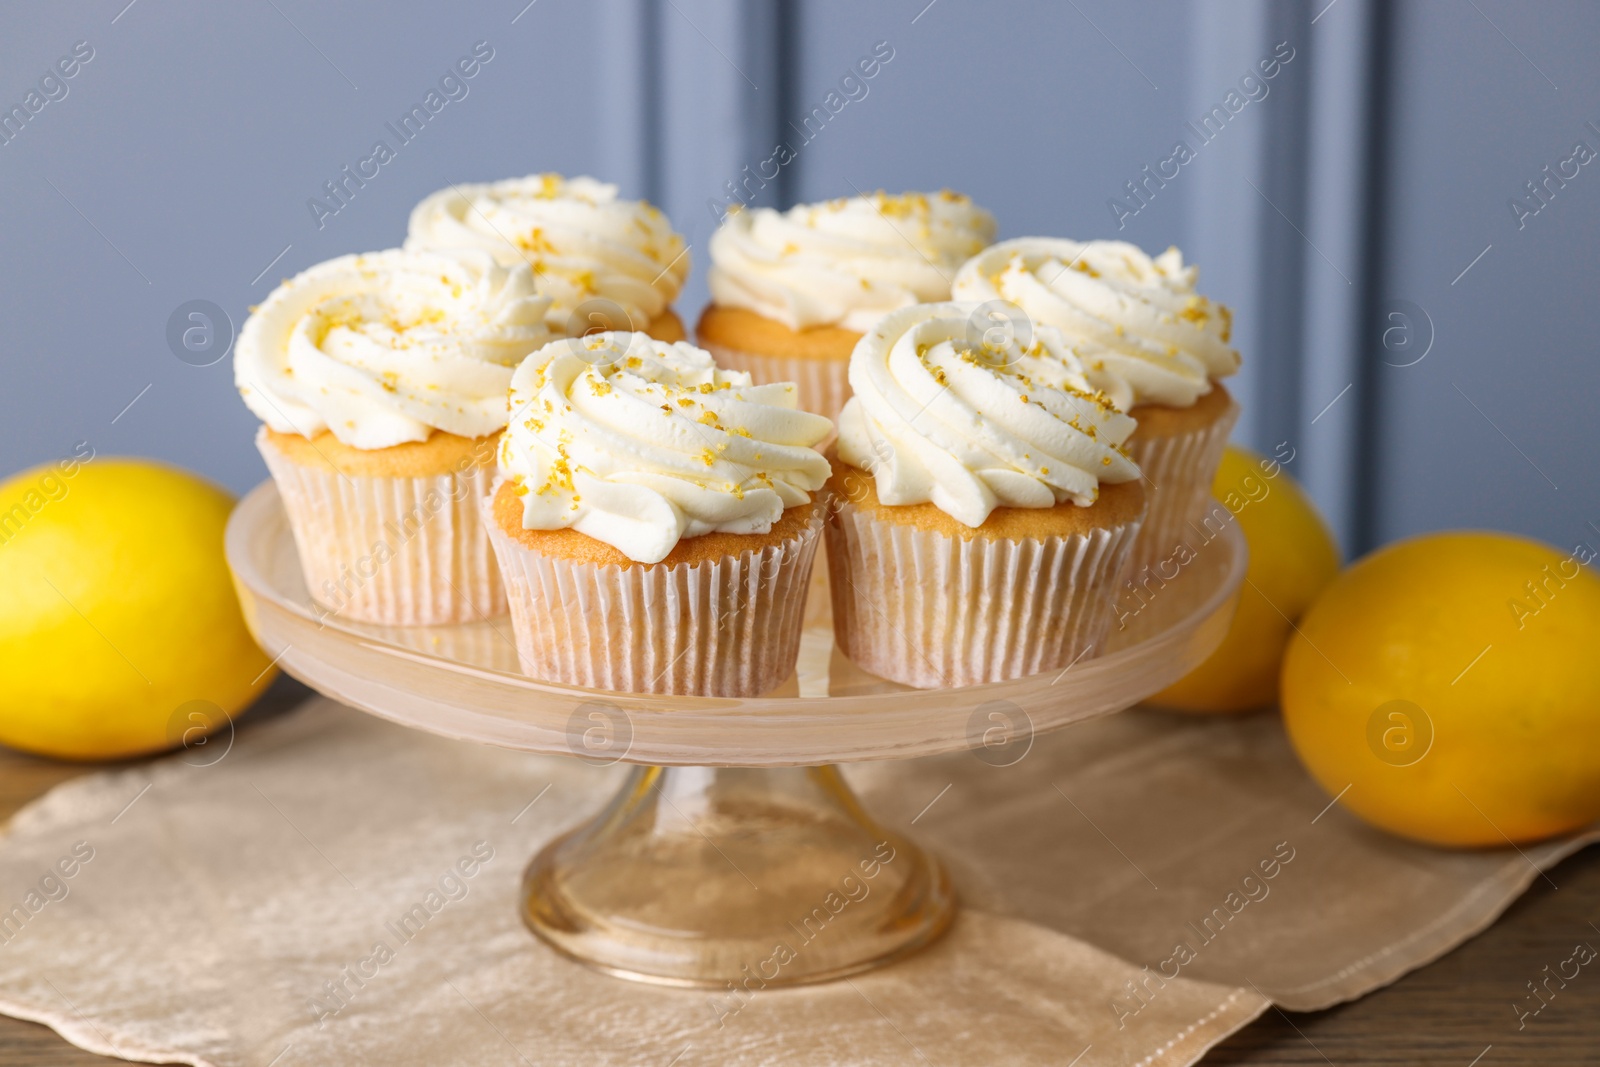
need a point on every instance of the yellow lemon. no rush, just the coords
(120, 632)
(1448, 686)
(1292, 558)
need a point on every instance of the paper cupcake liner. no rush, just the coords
(395, 551)
(823, 384)
(723, 628)
(929, 610)
(1178, 472)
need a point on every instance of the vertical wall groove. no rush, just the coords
(1364, 468)
(1339, 269)
(787, 32)
(1286, 262)
(719, 91)
(1281, 223)
(1231, 212)
(630, 96)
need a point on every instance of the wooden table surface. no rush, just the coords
(1457, 1011)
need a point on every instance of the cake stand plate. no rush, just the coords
(734, 856)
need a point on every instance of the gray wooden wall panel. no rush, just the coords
(179, 166)
(1377, 166)
(1041, 111)
(1497, 426)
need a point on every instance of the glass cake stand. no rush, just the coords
(734, 853)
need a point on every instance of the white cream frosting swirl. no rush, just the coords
(845, 262)
(947, 413)
(581, 240)
(640, 443)
(1130, 317)
(387, 347)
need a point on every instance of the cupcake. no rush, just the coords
(983, 506)
(1148, 339)
(655, 522)
(792, 292)
(605, 263)
(382, 381)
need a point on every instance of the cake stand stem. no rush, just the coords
(736, 879)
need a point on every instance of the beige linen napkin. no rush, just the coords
(338, 890)
(1145, 831)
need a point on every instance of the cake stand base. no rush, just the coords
(736, 879)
